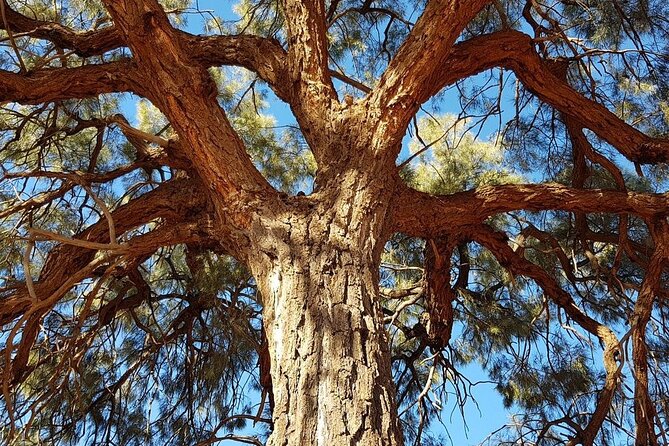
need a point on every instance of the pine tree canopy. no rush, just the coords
(331, 222)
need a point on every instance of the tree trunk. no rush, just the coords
(317, 270)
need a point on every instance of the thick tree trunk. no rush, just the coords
(330, 360)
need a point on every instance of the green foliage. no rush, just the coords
(456, 160)
(167, 352)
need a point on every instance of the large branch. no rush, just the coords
(312, 95)
(514, 262)
(419, 62)
(515, 51)
(424, 215)
(439, 296)
(645, 410)
(263, 56)
(172, 201)
(184, 91)
(85, 43)
(57, 84)
(308, 49)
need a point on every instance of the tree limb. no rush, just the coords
(57, 84)
(497, 244)
(308, 49)
(423, 215)
(186, 94)
(173, 200)
(417, 64)
(263, 56)
(644, 407)
(439, 295)
(515, 51)
(84, 44)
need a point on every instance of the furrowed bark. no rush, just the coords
(183, 90)
(330, 360)
(401, 89)
(57, 84)
(424, 215)
(85, 43)
(307, 47)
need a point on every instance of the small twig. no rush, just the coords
(26, 269)
(105, 211)
(129, 130)
(397, 267)
(352, 82)
(42, 234)
(503, 17)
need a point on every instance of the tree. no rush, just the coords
(154, 267)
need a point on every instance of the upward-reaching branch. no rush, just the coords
(183, 90)
(515, 51)
(417, 64)
(308, 49)
(311, 91)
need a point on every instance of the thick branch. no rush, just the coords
(312, 95)
(86, 43)
(424, 215)
(644, 408)
(438, 292)
(186, 94)
(497, 244)
(57, 84)
(263, 56)
(308, 48)
(420, 61)
(515, 51)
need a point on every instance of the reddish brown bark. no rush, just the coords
(57, 84)
(86, 43)
(316, 258)
(645, 411)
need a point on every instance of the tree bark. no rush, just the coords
(330, 361)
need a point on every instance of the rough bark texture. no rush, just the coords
(330, 362)
(438, 293)
(316, 258)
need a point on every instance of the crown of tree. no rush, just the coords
(459, 184)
